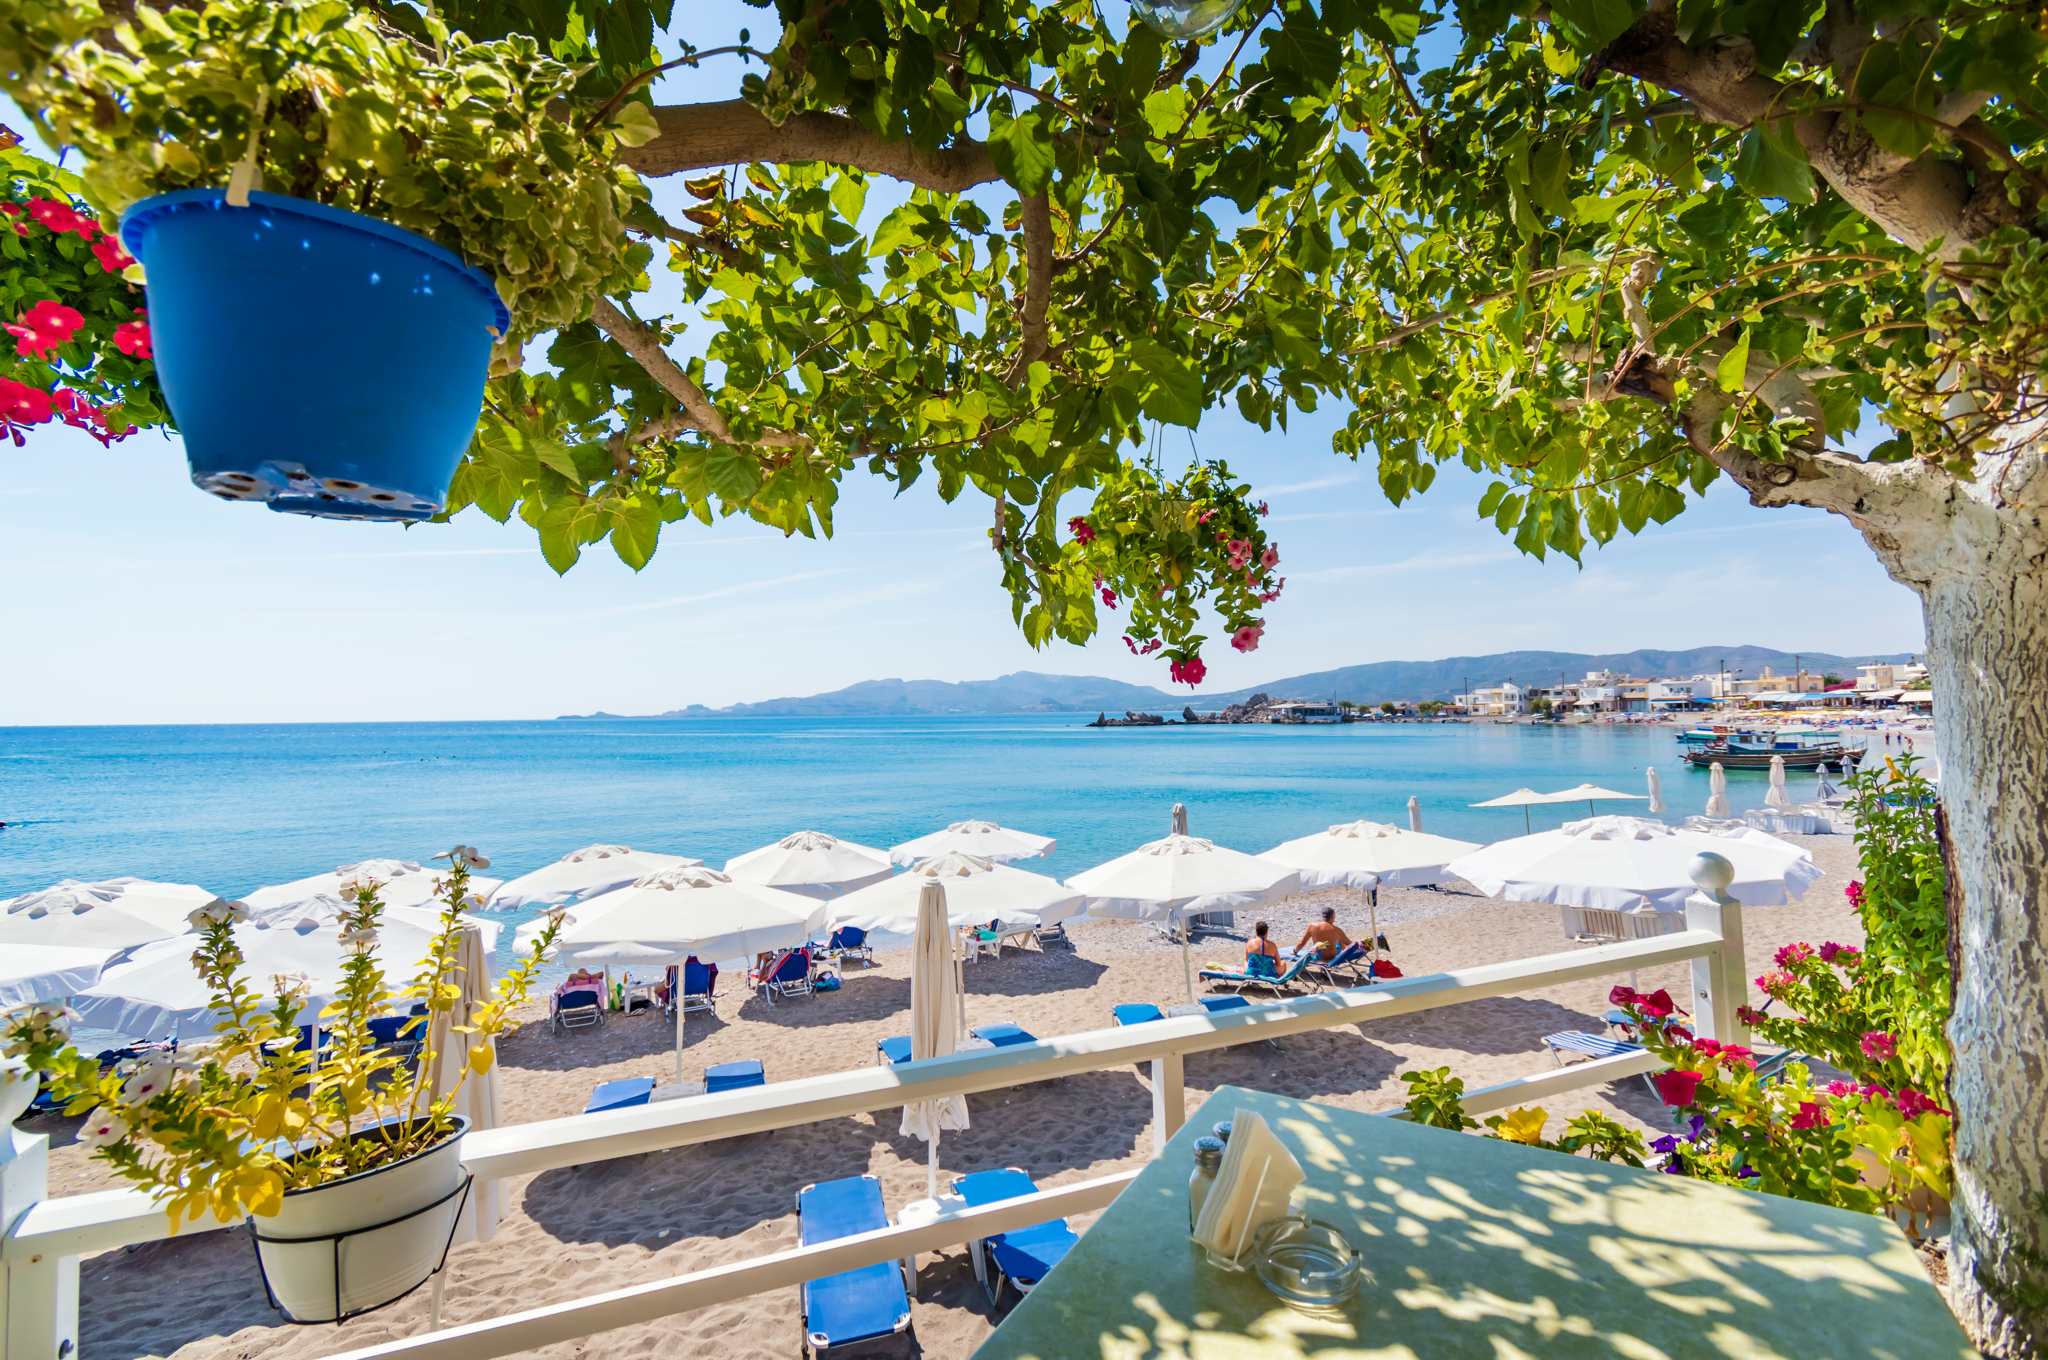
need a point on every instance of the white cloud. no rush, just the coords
(1420, 562)
(723, 592)
(1298, 488)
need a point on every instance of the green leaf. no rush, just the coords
(636, 530)
(1772, 164)
(1729, 374)
(1024, 153)
(1172, 391)
(633, 123)
(849, 195)
(1598, 22)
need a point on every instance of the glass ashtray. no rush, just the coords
(1307, 1261)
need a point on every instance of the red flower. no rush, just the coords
(1749, 1015)
(1260, 508)
(1880, 1046)
(1188, 672)
(57, 217)
(1246, 639)
(1812, 1115)
(1793, 953)
(132, 339)
(107, 250)
(1677, 1086)
(1735, 1055)
(1842, 1088)
(1621, 995)
(1655, 1005)
(44, 327)
(1912, 1104)
(21, 404)
(1081, 529)
(1109, 597)
(1854, 892)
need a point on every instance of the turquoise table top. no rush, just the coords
(1488, 1249)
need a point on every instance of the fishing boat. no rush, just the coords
(1801, 748)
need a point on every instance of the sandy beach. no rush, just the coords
(576, 1231)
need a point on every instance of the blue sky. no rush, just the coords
(132, 597)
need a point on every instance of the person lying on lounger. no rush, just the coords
(1324, 934)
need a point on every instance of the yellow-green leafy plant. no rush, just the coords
(228, 1128)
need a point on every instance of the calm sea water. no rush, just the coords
(233, 808)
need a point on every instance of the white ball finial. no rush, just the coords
(1713, 873)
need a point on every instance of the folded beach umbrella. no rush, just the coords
(477, 1099)
(665, 918)
(935, 1021)
(1776, 796)
(400, 883)
(1822, 789)
(1656, 808)
(1414, 813)
(1523, 798)
(1717, 790)
(977, 891)
(583, 873)
(47, 972)
(811, 863)
(983, 840)
(110, 915)
(1179, 876)
(1619, 863)
(155, 992)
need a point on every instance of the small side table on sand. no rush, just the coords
(1484, 1249)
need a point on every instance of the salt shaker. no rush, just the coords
(1208, 1160)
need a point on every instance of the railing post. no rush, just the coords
(1169, 1100)
(1718, 984)
(39, 1293)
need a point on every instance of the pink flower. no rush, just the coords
(1880, 1046)
(1246, 639)
(1912, 1104)
(1854, 892)
(1793, 953)
(1270, 558)
(1735, 1055)
(1240, 553)
(60, 217)
(1876, 1091)
(132, 339)
(107, 250)
(1749, 1015)
(1770, 984)
(1620, 995)
(1188, 672)
(21, 404)
(1205, 517)
(1677, 1086)
(1656, 1005)
(1260, 508)
(44, 327)
(1081, 529)
(1840, 1089)
(1844, 954)
(1812, 1115)
(1109, 597)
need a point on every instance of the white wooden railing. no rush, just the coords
(45, 1238)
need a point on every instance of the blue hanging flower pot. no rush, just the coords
(317, 360)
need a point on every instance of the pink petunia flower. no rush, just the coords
(44, 327)
(1270, 558)
(1188, 672)
(1677, 1086)
(132, 339)
(1880, 1046)
(1246, 639)
(108, 251)
(21, 404)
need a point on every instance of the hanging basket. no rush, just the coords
(340, 1249)
(322, 362)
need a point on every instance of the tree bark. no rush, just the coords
(1981, 563)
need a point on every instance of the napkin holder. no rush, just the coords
(1254, 1187)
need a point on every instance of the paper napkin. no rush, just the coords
(1252, 1187)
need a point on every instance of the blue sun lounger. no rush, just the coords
(1138, 1012)
(894, 1049)
(617, 1095)
(734, 1075)
(864, 1311)
(1022, 1256)
(1002, 1036)
(1240, 979)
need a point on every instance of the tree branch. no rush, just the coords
(1036, 212)
(644, 344)
(733, 132)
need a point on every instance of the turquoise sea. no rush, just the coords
(233, 808)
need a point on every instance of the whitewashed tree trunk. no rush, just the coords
(1985, 590)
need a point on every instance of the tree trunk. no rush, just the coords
(1985, 589)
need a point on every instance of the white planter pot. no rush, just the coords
(18, 1086)
(358, 1243)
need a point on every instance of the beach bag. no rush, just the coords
(825, 982)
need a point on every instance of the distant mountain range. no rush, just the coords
(1372, 683)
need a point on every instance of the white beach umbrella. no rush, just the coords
(1717, 790)
(977, 891)
(934, 1022)
(811, 863)
(400, 883)
(1414, 813)
(316, 911)
(46, 972)
(110, 915)
(1775, 796)
(477, 1100)
(1617, 863)
(1656, 808)
(583, 873)
(1180, 876)
(1523, 798)
(1590, 794)
(666, 917)
(155, 991)
(983, 840)
(1364, 855)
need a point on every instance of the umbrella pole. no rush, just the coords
(1187, 960)
(931, 1156)
(1372, 908)
(1528, 827)
(677, 998)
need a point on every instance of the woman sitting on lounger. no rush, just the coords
(1327, 938)
(1261, 955)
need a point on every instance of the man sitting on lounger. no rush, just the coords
(1328, 939)
(1261, 955)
